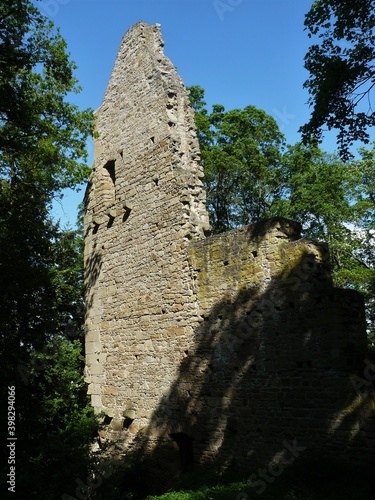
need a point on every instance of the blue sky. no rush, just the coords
(240, 51)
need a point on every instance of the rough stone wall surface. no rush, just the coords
(278, 346)
(144, 204)
(221, 347)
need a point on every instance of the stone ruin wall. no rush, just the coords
(221, 346)
(144, 204)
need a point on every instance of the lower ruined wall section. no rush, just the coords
(277, 359)
(281, 347)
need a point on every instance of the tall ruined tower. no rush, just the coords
(144, 204)
(223, 348)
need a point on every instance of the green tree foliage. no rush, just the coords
(327, 197)
(55, 424)
(42, 143)
(240, 153)
(42, 151)
(341, 67)
(251, 174)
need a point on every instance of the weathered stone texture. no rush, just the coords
(237, 341)
(144, 204)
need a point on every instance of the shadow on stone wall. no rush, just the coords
(269, 373)
(93, 265)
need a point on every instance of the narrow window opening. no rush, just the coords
(107, 420)
(153, 140)
(95, 228)
(126, 214)
(156, 181)
(110, 167)
(127, 422)
(185, 448)
(110, 221)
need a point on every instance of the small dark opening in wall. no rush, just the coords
(254, 253)
(126, 215)
(226, 262)
(186, 352)
(152, 139)
(95, 229)
(185, 448)
(110, 222)
(156, 181)
(110, 167)
(127, 422)
(107, 420)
